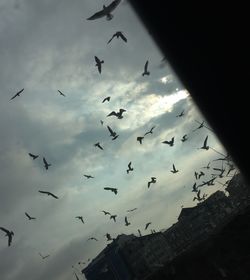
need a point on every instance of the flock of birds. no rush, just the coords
(196, 188)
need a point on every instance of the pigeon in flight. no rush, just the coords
(205, 146)
(129, 167)
(98, 145)
(29, 217)
(117, 114)
(150, 131)
(114, 190)
(146, 72)
(131, 210)
(93, 238)
(99, 64)
(147, 224)
(46, 164)
(139, 139)
(17, 94)
(88, 176)
(106, 11)
(106, 99)
(181, 114)
(61, 93)
(153, 180)
(43, 257)
(117, 35)
(106, 212)
(80, 218)
(49, 194)
(184, 138)
(174, 169)
(170, 143)
(9, 234)
(33, 156)
(126, 221)
(113, 217)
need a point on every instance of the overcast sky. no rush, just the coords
(47, 46)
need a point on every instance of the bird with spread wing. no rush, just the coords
(9, 234)
(106, 11)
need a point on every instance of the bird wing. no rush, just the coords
(146, 66)
(61, 93)
(27, 215)
(129, 165)
(110, 130)
(49, 193)
(99, 66)
(45, 162)
(97, 15)
(123, 37)
(113, 113)
(97, 60)
(5, 230)
(9, 239)
(174, 168)
(17, 94)
(14, 96)
(113, 5)
(111, 39)
(205, 142)
(44, 192)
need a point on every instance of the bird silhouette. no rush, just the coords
(200, 126)
(174, 169)
(106, 11)
(88, 176)
(99, 64)
(170, 143)
(61, 93)
(146, 72)
(106, 99)
(29, 217)
(150, 131)
(117, 114)
(98, 145)
(109, 238)
(112, 132)
(126, 221)
(139, 139)
(46, 164)
(33, 156)
(113, 217)
(117, 35)
(17, 94)
(129, 167)
(195, 188)
(153, 180)
(201, 174)
(105, 212)
(114, 190)
(8, 233)
(116, 136)
(205, 146)
(93, 238)
(181, 114)
(196, 175)
(147, 225)
(43, 257)
(131, 210)
(80, 218)
(49, 194)
(184, 138)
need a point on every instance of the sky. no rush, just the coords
(50, 45)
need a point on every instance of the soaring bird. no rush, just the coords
(139, 139)
(181, 114)
(146, 72)
(106, 99)
(184, 138)
(17, 94)
(112, 132)
(113, 217)
(205, 146)
(170, 143)
(106, 11)
(153, 180)
(150, 131)
(117, 35)
(174, 169)
(9, 234)
(131, 210)
(33, 156)
(99, 64)
(46, 164)
(93, 238)
(147, 224)
(98, 145)
(80, 218)
(49, 194)
(114, 190)
(117, 114)
(126, 221)
(29, 217)
(61, 93)
(106, 212)
(43, 257)
(129, 167)
(88, 176)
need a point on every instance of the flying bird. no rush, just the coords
(195, 188)
(205, 146)
(46, 164)
(150, 131)
(201, 174)
(9, 234)
(184, 138)
(61, 93)
(129, 167)
(98, 145)
(200, 126)
(43, 257)
(106, 99)
(170, 143)
(146, 72)
(99, 64)
(114, 190)
(117, 35)
(17, 94)
(113, 217)
(112, 132)
(49, 194)
(139, 139)
(181, 114)
(153, 180)
(29, 217)
(115, 137)
(196, 175)
(105, 212)
(80, 218)
(131, 210)
(93, 238)
(88, 176)
(33, 156)
(174, 169)
(106, 11)
(117, 114)
(147, 224)
(126, 221)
